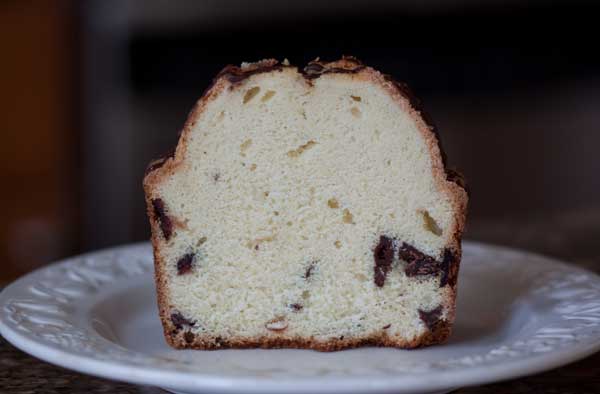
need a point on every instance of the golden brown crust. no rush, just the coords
(446, 180)
(186, 340)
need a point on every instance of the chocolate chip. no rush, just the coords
(189, 337)
(296, 307)
(179, 321)
(236, 74)
(417, 262)
(383, 254)
(387, 326)
(166, 225)
(185, 263)
(449, 268)
(309, 270)
(315, 68)
(431, 318)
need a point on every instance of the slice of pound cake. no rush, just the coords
(308, 209)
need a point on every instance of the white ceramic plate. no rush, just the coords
(518, 313)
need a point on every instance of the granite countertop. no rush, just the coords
(572, 236)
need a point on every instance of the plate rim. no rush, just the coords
(199, 381)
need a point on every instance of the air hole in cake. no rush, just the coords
(244, 147)
(333, 203)
(277, 324)
(267, 96)
(356, 98)
(386, 326)
(355, 112)
(301, 149)
(185, 263)
(383, 254)
(250, 93)
(257, 241)
(430, 224)
(348, 218)
(361, 277)
(216, 177)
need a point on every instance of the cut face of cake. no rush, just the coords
(305, 208)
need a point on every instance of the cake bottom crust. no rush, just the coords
(188, 340)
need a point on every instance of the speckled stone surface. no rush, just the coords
(571, 236)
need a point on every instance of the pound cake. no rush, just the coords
(305, 208)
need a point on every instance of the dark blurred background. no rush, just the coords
(93, 90)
